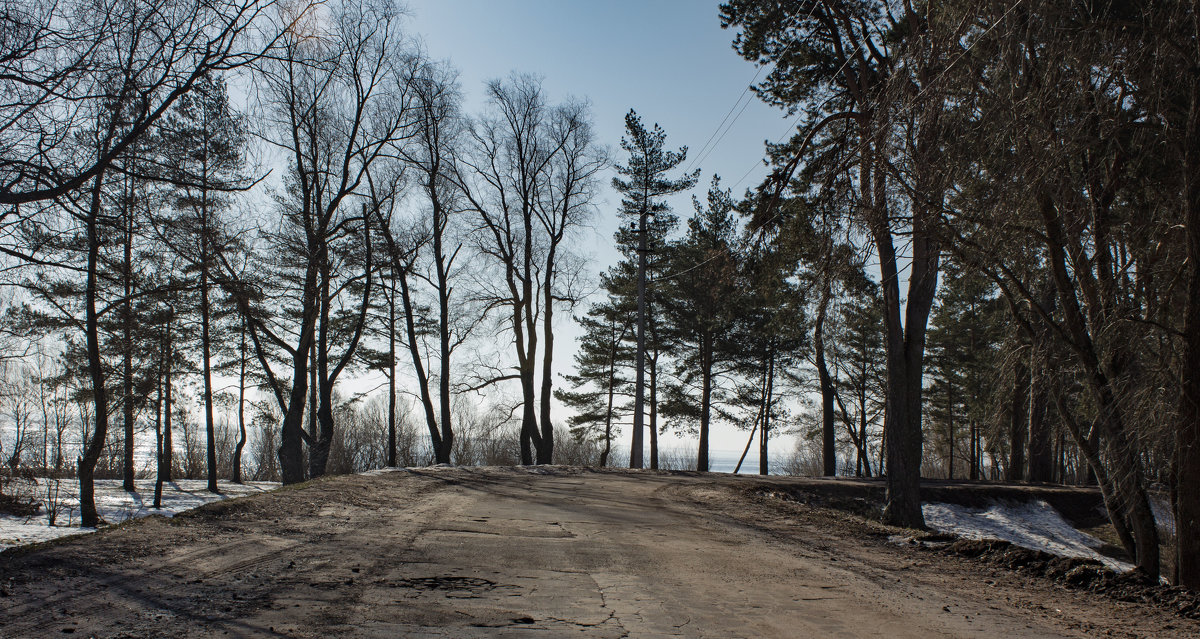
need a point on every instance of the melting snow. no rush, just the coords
(114, 505)
(1035, 525)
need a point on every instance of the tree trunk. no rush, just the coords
(206, 353)
(864, 458)
(546, 450)
(241, 442)
(414, 351)
(169, 405)
(828, 439)
(291, 452)
(764, 459)
(1187, 425)
(950, 421)
(1120, 453)
(639, 386)
(391, 421)
(654, 408)
(127, 346)
(905, 360)
(529, 429)
(615, 340)
(1018, 422)
(158, 439)
(444, 336)
(706, 364)
(1041, 461)
(318, 452)
(87, 462)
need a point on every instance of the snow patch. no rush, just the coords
(114, 505)
(1035, 525)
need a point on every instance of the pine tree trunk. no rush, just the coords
(950, 421)
(127, 348)
(158, 440)
(905, 346)
(1018, 422)
(206, 353)
(828, 438)
(764, 458)
(168, 399)
(1041, 462)
(654, 409)
(612, 387)
(241, 442)
(639, 386)
(391, 437)
(705, 402)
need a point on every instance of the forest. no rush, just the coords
(976, 257)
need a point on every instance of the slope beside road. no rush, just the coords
(534, 552)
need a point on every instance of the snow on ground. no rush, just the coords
(113, 504)
(1035, 525)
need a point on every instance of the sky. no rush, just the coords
(670, 60)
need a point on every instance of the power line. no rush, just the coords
(746, 90)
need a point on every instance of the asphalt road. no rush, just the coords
(555, 552)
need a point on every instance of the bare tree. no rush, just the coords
(335, 96)
(64, 61)
(430, 154)
(529, 180)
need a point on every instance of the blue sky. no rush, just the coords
(668, 59)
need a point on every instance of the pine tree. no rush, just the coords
(768, 341)
(645, 185)
(964, 343)
(600, 392)
(701, 299)
(858, 357)
(204, 145)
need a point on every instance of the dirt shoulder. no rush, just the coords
(502, 552)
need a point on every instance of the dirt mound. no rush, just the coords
(1079, 574)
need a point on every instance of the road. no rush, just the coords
(555, 552)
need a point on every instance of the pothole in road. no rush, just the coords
(453, 587)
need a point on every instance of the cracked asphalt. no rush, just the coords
(529, 552)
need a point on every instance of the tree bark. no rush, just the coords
(546, 450)
(639, 385)
(1187, 426)
(391, 421)
(654, 353)
(828, 439)
(87, 462)
(706, 364)
(1018, 422)
(127, 341)
(206, 349)
(764, 459)
(241, 442)
(905, 347)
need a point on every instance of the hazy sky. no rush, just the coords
(668, 59)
